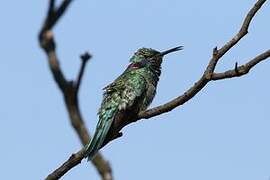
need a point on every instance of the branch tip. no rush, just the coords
(236, 68)
(86, 56)
(215, 51)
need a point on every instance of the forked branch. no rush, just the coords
(69, 90)
(208, 75)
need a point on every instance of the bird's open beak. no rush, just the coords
(171, 50)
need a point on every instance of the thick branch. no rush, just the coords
(70, 92)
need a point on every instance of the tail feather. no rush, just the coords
(98, 138)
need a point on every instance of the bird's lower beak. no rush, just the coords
(171, 50)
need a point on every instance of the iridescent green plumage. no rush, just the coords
(130, 93)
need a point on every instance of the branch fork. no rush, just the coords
(47, 43)
(70, 90)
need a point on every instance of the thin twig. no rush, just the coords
(241, 70)
(84, 58)
(236, 68)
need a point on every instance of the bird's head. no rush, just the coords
(149, 58)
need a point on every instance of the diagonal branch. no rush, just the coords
(69, 89)
(74, 160)
(244, 28)
(200, 84)
(208, 75)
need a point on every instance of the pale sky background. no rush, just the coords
(223, 133)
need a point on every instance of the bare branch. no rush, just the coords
(241, 70)
(74, 160)
(84, 58)
(180, 100)
(54, 14)
(69, 90)
(208, 75)
(243, 30)
(62, 9)
(49, 48)
(217, 54)
(51, 8)
(200, 84)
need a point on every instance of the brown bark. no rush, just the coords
(70, 90)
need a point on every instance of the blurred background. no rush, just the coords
(222, 133)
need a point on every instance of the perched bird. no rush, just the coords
(130, 93)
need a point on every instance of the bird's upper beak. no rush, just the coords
(171, 50)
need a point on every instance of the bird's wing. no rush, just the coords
(127, 89)
(118, 96)
(134, 90)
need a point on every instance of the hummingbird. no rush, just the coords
(132, 92)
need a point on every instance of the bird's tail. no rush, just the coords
(91, 148)
(99, 137)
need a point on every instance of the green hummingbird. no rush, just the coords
(131, 93)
